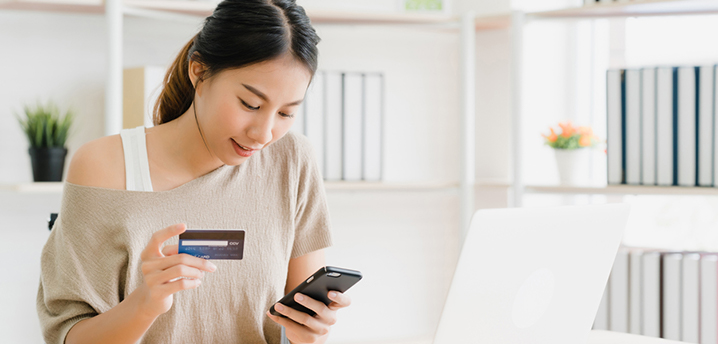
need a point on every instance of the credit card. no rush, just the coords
(212, 243)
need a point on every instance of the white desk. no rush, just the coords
(595, 337)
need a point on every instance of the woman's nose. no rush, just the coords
(261, 129)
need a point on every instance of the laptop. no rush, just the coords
(532, 275)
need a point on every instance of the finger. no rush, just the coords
(298, 317)
(180, 284)
(317, 306)
(152, 250)
(170, 250)
(339, 300)
(294, 328)
(180, 259)
(172, 273)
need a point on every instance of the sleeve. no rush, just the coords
(312, 227)
(80, 269)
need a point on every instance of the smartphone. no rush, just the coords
(318, 285)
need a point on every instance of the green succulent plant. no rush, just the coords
(43, 125)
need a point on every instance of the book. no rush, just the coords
(352, 133)
(709, 299)
(299, 120)
(664, 126)
(333, 148)
(686, 126)
(671, 310)
(635, 289)
(614, 139)
(651, 294)
(705, 125)
(633, 126)
(314, 115)
(690, 301)
(373, 127)
(141, 87)
(601, 320)
(618, 301)
(648, 126)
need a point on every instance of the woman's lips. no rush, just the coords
(241, 151)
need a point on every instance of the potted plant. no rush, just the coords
(47, 132)
(570, 149)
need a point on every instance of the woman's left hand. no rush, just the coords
(303, 328)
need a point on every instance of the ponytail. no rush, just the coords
(177, 92)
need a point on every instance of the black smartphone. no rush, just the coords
(318, 285)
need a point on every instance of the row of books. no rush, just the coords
(664, 294)
(661, 126)
(343, 115)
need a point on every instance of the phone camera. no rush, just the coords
(334, 274)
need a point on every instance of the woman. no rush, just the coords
(220, 156)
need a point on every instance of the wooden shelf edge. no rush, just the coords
(36, 187)
(634, 8)
(621, 190)
(388, 186)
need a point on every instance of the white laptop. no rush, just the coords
(532, 275)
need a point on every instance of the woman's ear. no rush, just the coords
(195, 71)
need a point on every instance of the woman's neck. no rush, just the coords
(177, 151)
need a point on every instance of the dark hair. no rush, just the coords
(237, 34)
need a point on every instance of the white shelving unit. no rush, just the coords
(636, 8)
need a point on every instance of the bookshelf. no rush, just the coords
(621, 9)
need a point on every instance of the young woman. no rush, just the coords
(219, 156)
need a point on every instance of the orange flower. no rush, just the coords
(585, 131)
(567, 130)
(551, 138)
(584, 141)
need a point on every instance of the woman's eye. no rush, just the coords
(249, 106)
(285, 115)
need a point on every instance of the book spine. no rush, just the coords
(633, 126)
(651, 290)
(705, 126)
(618, 306)
(648, 126)
(690, 299)
(614, 140)
(671, 278)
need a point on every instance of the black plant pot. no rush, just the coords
(47, 163)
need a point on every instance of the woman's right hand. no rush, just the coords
(161, 265)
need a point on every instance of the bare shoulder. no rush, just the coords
(99, 163)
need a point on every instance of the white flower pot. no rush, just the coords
(572, 165)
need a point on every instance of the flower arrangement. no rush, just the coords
(571, 137)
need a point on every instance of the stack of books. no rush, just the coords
(343, 115)
(660, 293)
(661, 126)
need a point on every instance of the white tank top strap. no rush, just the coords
(137, 167)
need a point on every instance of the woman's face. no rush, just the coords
(241, 111)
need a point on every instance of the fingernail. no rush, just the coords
(332, 294)
(299, 297)
(278, 307)
(212, 266)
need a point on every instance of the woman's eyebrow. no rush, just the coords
(264, 97)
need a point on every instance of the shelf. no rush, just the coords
(380, 186)
(621, 190)
(633, 8)
(205, 8)
(72, 6)
(56, 187)
(37, 187)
